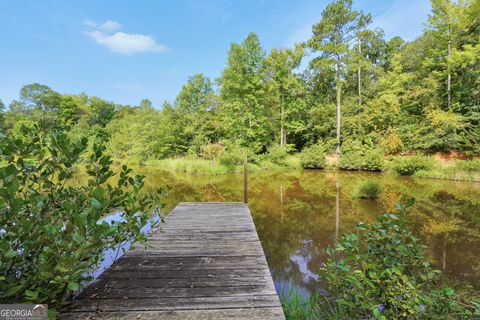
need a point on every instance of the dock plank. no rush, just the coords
(206, 262)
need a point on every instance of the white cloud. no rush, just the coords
(122, 42)
(89, 23)
(110, 25)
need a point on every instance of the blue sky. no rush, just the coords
(125, 51)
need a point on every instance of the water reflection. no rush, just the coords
(298, 214)
(111, 255)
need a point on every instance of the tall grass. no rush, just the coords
(199, 166)
(462, 170)
(314, 307)
(369, 189)
(191, 165)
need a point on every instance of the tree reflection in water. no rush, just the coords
(298, 214)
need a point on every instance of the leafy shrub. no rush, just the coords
(232, 157)
(51, 238)
(212, 151)
(470, 166)
(356, 156)
(278, 154)
(382, 272)
(313, 157)
(392, 142)
(407, 166)
(369, 189)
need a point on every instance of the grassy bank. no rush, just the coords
(414, 165)
(461, 170)
(199, 166)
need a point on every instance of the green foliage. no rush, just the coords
(381, 272)
(356, 156)
(369, 189)
(315, 306)
(313, 157)
(407, 166)
(388, 93)
(2, 110)
(278, 154)
(51, 237)
(470, 166)
(392, 143)
(285, 92)
(194, 113)
(243, 93)
(212, 151)
(441, 131)
(232, 157)
(332, 35)
(68, 111)
(101, 111)
(40, 97)
(464, 170)
(192, 165)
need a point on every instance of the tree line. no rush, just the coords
(358, 89)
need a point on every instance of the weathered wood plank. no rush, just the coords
(257, 272)
(205, 263)
(267, 313)
(165, 304)
(160, 292)
(158, 263)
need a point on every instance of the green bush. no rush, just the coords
(212, 151)
(278, 154)
(407, 166)
(313, 157)
(231, 158)
(51, 238)
(369, 189)
(470, 166)
(381, 272)
(356, 156)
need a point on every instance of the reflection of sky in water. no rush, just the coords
(302, 258)
(299, 263)
(111, 255)
(303, 268)
(284, 287)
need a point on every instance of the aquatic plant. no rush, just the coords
(369, 189)
(312, 307)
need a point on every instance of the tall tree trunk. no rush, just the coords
(359, 74)
(282, 132)
(337, 211)
(339, 97)
(449, 77)
(281, 135)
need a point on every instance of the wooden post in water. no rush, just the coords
(245, 176)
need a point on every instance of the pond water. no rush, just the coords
(299, 213)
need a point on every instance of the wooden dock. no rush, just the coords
(206, 262)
